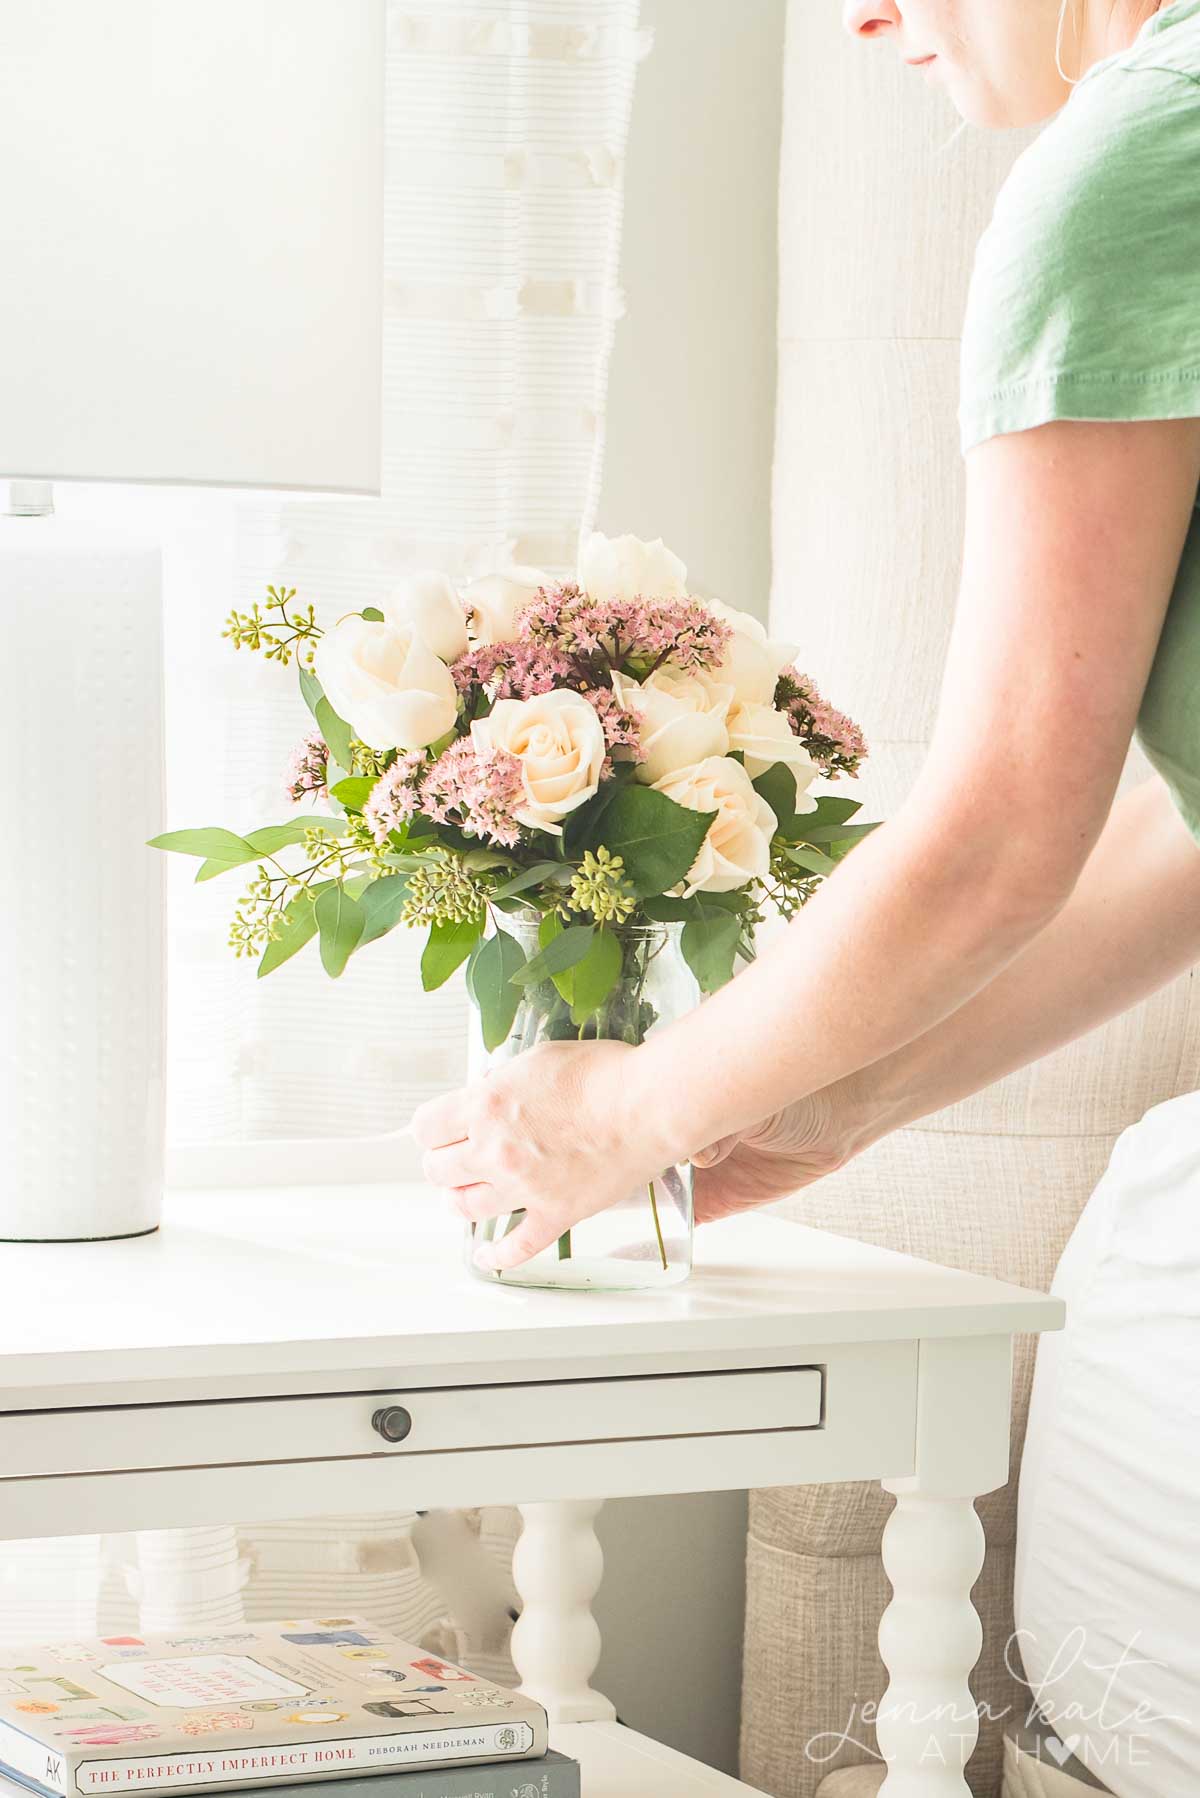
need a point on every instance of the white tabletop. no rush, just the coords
(289, 1281)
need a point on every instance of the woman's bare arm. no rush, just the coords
(1131, 925)
(1074, 534)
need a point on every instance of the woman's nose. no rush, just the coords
(870, 18)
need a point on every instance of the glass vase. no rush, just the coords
(645, 1240)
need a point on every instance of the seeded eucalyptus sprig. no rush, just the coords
(279, 638)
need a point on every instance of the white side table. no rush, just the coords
(254, 1359)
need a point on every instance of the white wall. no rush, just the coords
(688, 458)
(692, 378)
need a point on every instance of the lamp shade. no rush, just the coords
(191, 241)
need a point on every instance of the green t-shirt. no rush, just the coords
(1085, 303)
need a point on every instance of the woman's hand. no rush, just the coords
(559, 1132)
(786, 1151)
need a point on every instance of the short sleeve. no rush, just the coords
(1084, 299)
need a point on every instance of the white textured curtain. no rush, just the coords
(506, 130)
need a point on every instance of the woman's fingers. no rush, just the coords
(715, 1152)
(478, 1203)
(453, 1164)
(531, 1236)
(441, 1120)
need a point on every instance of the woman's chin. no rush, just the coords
(983, 106)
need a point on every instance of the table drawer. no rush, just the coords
(348, 1425)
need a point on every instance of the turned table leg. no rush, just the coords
(557, 1564)
(933, 1546)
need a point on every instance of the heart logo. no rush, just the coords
(1061, 1751)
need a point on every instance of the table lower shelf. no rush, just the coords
(618, 1763)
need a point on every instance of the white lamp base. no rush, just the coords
(81, 898)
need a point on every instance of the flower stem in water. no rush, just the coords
(657, 1226)
(564, 1246)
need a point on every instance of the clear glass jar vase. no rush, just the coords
(645, 1240)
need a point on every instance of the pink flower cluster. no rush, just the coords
(396, 795)
(478, 790)
(620, 723)
(613, 631)
(308, 767)
(833, 740)
(514, 670)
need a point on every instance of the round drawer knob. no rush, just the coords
(393, 1423)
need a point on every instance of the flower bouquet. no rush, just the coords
(588, 792)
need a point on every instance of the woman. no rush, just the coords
(1000, 911)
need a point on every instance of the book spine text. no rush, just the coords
(321, 1759)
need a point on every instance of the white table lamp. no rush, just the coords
(190, 292)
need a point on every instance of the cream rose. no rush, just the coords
(386, 683)
(752, 662)
(683, 718)
(625, 567)
(494, 600)
(558, 740)
(765, 737)
(738, 845)
(428, 602)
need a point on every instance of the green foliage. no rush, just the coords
(298, 925)
(340, 920)
(531, 877)
(656, 839)
(814, 861)
(710, 943)
(491, 978)
(311, 690)
(448, 947)
(778, 787)
(382, 904)
(562, 951)
(354, 791)
(221, 845)
(594, 978)
(337, 734)
(278, 638)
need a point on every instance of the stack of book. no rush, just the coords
(271, 1704)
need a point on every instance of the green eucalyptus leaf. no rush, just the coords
(594, 977)
(219, 845)
(657, 839)
(840, 833)
(531, 877)
(336, 732)
(812, 860)
(340, 920)
(448, 947)
(562, 952)
(492, 968)
(299, 927)
(709, 946)
(354, 791)
(372, 614)
(311, 690)
(382, 903)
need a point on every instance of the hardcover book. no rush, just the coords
(268, 1704)
(552, 1775)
